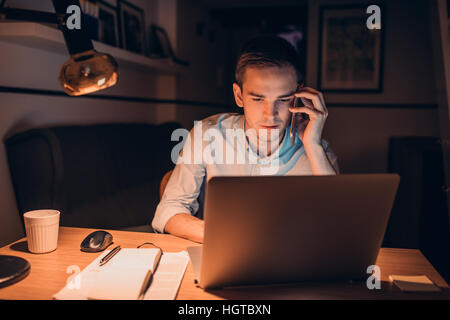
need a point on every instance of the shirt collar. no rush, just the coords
(279, 151)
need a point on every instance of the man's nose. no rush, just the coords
(270, 110)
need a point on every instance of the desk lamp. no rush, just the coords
(87, 70)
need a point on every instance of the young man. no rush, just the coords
(267, 83)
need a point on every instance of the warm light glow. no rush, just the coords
(88, 72)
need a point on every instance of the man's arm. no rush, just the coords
(320, 164)
(186, 226)
(174, 213)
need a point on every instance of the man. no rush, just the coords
(268, 79)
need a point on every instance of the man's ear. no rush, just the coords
(238, 95)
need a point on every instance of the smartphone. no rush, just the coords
(293, 129)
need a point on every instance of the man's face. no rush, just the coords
(266, 96)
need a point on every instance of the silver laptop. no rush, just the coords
(278, 229)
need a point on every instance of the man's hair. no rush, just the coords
(267, 51)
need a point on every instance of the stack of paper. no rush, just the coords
(414, 283)
(122, 277)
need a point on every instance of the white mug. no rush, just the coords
(42, 228)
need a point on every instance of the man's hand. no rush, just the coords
(310, 131)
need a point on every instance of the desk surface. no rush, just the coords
(48, 272)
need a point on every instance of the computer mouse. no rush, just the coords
(96, 241)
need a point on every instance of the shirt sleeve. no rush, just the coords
(182, 189)
(331, 155)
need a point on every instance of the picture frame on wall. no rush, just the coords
(351, 55)
(132, 27)
(108, 28)
(159, 43)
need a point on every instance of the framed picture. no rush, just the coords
(351, 55)
(132, 27)
(159, 46)
(108, 27)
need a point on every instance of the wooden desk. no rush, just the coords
(48, 272)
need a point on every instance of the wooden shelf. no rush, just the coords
(51, 39)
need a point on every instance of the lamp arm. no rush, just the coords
(87, 70)
(77, 41)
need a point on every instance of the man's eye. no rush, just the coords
(285, 100)
(257, 99)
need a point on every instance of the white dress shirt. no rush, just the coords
(194, 167)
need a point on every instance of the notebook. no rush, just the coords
(122, 277)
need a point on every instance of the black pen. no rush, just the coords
(108, 257)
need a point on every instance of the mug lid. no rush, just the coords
(41, 214)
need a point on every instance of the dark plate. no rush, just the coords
(12, 270)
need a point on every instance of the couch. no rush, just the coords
(104, 176)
